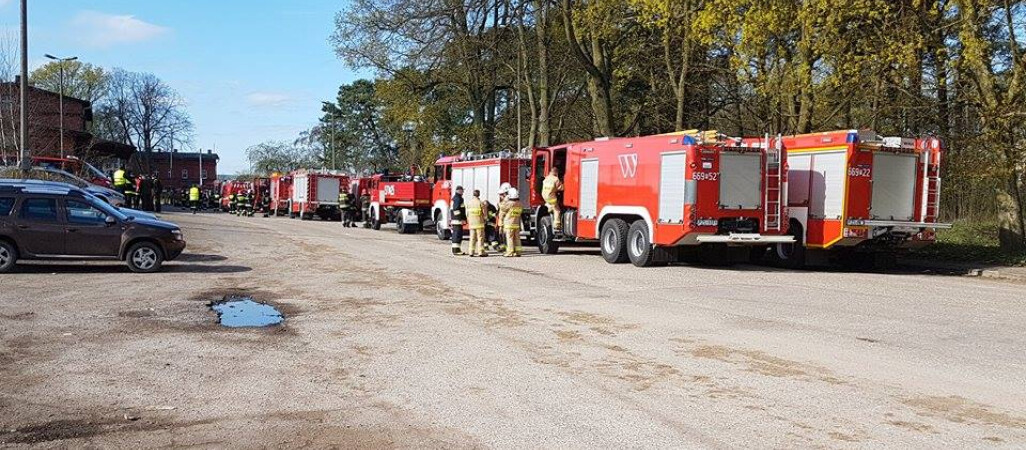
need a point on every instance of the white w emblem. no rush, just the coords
(629, 165)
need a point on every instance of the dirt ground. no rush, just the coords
(388, 342)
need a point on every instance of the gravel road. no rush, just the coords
(389, 342)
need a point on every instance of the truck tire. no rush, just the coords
(375, 224)
(441, 231)
(144, 257)
(792, 256)
(8, 256)
(639, 245)
(546, 238)
(613, 241)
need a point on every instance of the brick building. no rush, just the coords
(182, 169)
(44, 125)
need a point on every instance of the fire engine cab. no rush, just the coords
(485, 173)
(404, 200)
(652, 200)
(857, 197)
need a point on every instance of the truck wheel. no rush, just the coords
(639, 246)
(614, 241)
(792, 256)
(375, 224)
(440, 230)
(8, 256)
(547, 244)
(144, 257)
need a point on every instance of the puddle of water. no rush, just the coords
(237, 312)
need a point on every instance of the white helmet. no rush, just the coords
(504, 188)
(513, 194)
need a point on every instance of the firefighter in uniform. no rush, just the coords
(232, 202)
(551, 187)
(194, 198)
(131, 195)
(120, 180)
(456, 215)
(476, 222)
(242, 208)
(509, 215)
(491, 226)
(499, 240)
(346, 205)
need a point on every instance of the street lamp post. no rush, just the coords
(23, 88)
(60, 62)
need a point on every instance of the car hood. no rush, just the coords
(138, 214)
(155, 223)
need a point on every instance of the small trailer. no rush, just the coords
(315, 193)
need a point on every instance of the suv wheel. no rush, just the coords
(8, 256)
(144, 257)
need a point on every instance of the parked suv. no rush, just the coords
(49, 220)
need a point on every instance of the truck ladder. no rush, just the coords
(933, 187)
(773, 199)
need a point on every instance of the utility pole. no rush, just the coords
(60, 62)
(23, 138)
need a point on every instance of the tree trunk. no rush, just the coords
(1010, 217)
(542, 29)
(599, 88)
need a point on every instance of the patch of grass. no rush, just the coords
(970, 242)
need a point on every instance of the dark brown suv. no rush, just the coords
(48, 220)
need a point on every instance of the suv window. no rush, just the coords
(39, 209)
(82, 213)
(6, 205)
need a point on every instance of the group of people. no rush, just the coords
(142, 192)
(500, 226)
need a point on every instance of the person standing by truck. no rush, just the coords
(509, 216)
(194, 198)
(476, 222)
(456, 222)
(551, 187)
(345, 203)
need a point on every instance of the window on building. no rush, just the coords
(185, 174)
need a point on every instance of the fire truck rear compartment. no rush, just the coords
(894, 186)
(740, 180)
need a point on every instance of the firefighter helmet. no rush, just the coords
(513, 194)
(504, 188)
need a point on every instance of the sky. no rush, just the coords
(249, 70)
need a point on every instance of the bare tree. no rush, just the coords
(143, 111)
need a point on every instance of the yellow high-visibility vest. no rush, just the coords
(119, 178)
(194, 194)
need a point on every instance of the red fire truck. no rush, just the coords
(261, 195)
(315, 192)
(280, 194)
(482, 172)
(856, 197)
(652, 200)
(404, 200)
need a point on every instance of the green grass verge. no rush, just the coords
(970, 242)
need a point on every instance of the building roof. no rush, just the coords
(160, 156)
(17, 85)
